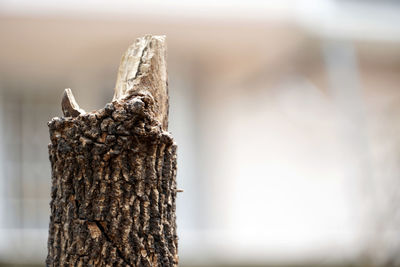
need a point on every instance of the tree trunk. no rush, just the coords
(114, 172)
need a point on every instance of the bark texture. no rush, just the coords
(114, 176)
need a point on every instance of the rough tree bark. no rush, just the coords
(113, 171)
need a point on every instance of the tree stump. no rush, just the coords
(114, 171)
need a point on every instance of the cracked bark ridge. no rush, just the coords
(114, 180)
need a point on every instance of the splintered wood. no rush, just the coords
(114, 171)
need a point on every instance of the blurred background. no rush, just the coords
(286, 113)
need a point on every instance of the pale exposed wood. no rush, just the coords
(143, 69)
(114, 172)
(69, 105)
